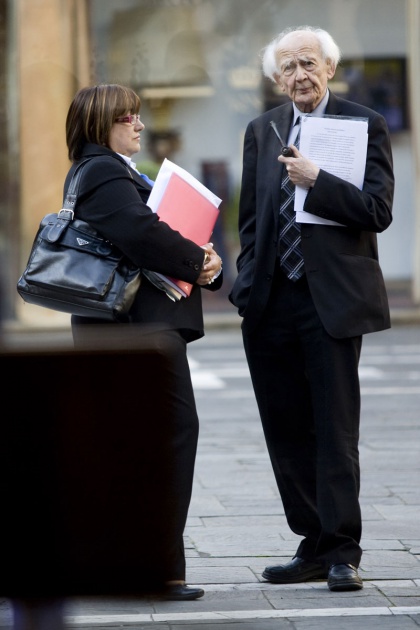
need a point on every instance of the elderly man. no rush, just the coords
(307, 293)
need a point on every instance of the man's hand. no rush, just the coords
(302, 171)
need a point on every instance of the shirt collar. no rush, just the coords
(134, 166)
(128, 160)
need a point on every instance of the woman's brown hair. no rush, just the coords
(93, 112)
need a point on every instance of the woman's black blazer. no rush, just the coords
(113, 199)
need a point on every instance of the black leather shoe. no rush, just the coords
(344, 577)
(297, 570)
(182, 592)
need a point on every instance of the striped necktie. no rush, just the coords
(289, 244)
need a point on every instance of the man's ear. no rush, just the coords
(331, 68)
(279, 82)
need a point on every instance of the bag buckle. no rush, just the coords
(60, 225)
(66, 214)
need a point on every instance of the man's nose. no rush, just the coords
(300, 73)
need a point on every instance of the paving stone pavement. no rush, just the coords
(236, 523)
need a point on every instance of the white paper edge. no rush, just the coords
(162, 179)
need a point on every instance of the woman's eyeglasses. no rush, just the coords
(132, 119)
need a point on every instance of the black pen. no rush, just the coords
(285, 150)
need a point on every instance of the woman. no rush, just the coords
(103, 123)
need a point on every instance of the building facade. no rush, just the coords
(196, 66)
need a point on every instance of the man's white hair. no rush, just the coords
(329, 49)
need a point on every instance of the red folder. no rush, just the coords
(189, 212)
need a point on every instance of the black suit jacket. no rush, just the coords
(341, 263)
(113, 199)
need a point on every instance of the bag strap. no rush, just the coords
(73, 189)
(66, 214)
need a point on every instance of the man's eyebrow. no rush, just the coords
(295, 61)
(288, 62)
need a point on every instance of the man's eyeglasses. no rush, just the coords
(132, 119)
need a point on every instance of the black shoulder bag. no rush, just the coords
(72, 269)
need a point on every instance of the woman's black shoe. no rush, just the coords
(182, 592)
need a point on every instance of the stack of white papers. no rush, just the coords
(336, 144)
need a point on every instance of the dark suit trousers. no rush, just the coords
(170, 460)
(184, 438)
(307, 389)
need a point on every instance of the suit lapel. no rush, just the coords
(333, 106)
(283, 119)
(140, 180)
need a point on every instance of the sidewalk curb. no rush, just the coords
(212, 321)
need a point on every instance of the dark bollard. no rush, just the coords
(85, 469)
(38, 614)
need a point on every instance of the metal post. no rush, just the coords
(413, 27)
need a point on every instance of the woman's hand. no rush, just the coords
(212, 266)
